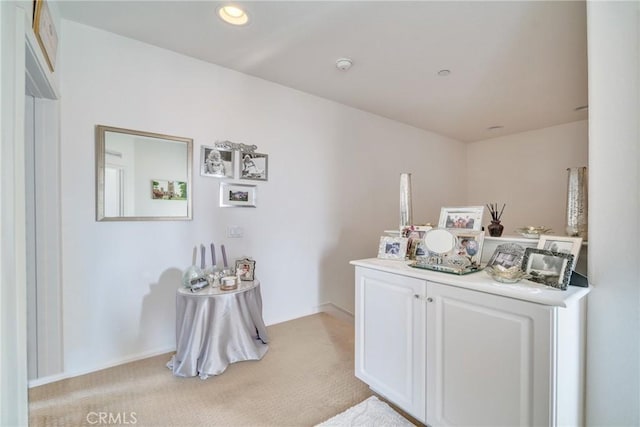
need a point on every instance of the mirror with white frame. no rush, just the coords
(142, 176)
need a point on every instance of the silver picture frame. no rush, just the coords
(393, 247)
(548, 268)
(217, 162)
(507, 255)
(253, 166)
(237, 195)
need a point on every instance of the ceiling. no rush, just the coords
(521, 65)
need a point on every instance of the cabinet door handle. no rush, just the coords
(429, 299)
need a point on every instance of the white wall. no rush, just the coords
(528, 172)
(613, 337)
(13, 295)
(333, 187)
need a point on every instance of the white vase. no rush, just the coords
(406, 209)
(577, 202)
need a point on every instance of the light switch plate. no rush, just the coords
(235, 231)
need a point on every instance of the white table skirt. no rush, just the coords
(215, 328)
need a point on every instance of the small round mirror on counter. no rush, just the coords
(440, 241)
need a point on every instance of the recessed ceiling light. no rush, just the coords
(498, 127)
(444, 73)
(233, 15)
(581, 108)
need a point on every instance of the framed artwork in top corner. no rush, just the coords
(45, 32)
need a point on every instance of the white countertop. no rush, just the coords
(480, 281)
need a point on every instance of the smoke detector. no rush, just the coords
(344, 64)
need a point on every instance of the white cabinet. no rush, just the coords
(390, 339)
(489, 359)
(462, 350)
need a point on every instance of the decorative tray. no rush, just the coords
(460, 271)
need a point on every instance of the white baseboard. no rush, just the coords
(64, 375)
(334, 310)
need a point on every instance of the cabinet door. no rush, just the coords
(390, 337)
(489, 360)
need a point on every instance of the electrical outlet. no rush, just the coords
(235, 231)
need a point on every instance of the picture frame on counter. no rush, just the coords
(415, 234)
(561, 244)
(254, 166)
(393, 247)
(466, 217)
(469, 244)
(245, 269)
(507, 255)
(217, 162)
(237, 195)
(547, 267)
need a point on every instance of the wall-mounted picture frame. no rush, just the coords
(237, 195)
(217, 162)
(245, 269)
(507, 255)
(393, 247)
(469, 244)
(548, 268)
(45, 32)
(466, 217)
(168, 190)
(254, 166)
(561, 244)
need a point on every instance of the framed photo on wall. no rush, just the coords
(254, 166)
(216, 162)
(237, 195)
(469, 218)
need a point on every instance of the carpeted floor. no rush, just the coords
(305, 378)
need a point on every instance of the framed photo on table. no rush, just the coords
(469, 244)
(469, 218)
(393, 247)
(245, 269)
(561, 244)
(548, 268)
(507, 255)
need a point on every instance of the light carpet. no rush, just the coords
(306, 377)
(370, 413)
